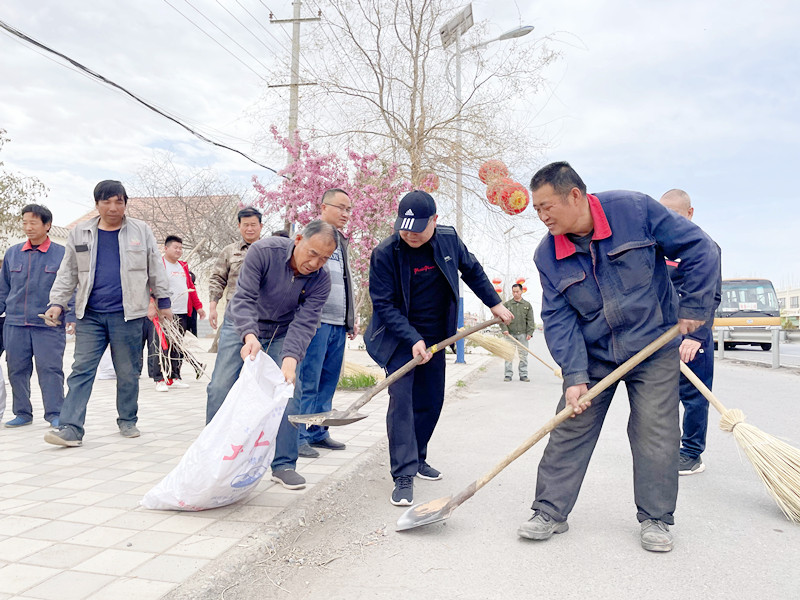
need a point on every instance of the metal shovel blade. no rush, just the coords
(426, 513)
(330, 418)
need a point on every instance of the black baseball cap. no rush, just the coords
(414, 211)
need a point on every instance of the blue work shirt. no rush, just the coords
(28, 274)
(610, 302)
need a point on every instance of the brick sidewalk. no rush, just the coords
(70, 523)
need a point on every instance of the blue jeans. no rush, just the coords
(226, 372)
(318, 376)
(93, 333)
(695, 406)
(47, 345)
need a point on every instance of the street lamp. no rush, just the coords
(452, 32)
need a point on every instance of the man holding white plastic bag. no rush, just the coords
(280, 293)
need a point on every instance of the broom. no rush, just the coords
(355, 370)
(494, 345)
(171, 337)
(556, 371)
(776, 462)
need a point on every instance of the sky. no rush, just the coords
(646, 96)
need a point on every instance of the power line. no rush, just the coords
(107, 81)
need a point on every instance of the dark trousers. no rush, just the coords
(653, 432)
(415, 403)
(46, 344)
(175, 355)
(695, 406)
(93, 333)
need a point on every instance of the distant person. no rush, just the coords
(113, 261)
(29, 270)
(606, 295)
(280, 293)
(413, 284)
(222, 282)
(521, 329)
(697, 351)
(280, 233)
(185, 303)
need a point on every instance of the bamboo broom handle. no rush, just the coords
(567, 411)
(529, 351)
(376, 389)
(712, 399)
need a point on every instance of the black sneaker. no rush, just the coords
(506, 378)
(64, 436)
(690, 466)
(329, 444)
(307, 451)
(541, 527)
(403, 494)
(525, 379)
(290, 479)
(425, 471)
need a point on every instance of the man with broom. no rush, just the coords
(413, 284)
(606, 295)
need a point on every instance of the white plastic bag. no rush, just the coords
(234, 451)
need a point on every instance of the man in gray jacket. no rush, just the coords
(114, 262)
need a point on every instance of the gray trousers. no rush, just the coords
(523, 356)
(653, 431)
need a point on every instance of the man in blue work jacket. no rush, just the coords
(606, 295)
(29, 270)
(413, 284)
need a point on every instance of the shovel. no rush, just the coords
(556, 371)
(351, 414)
(441, 508)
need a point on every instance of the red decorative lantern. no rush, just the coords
(513, 199)
(496, 190)
(492, 170)
(429, 182)
(498, 289)
(497, 281)
(521, 280)
(524, 289)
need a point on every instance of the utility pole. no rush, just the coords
(294, 85)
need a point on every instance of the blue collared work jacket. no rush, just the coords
(610, 303)
(25, 282)
(390, 290)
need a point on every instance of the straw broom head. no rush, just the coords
(776, 462)
(494, 345)
(354, 370)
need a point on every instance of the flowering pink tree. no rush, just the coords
(373, 186)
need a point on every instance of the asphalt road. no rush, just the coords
(731, 540)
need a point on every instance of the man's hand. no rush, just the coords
(51, 316)
(501, 311)
(212, 315)
(352, 335)
(573, 393)
(201, 313)
(251, 347)
(689, 325)
(688, 349)
(528, 337)
(70, 329)
(505, 332)
(288, 368)
(165, 313)
(420, 349)
(152, 312)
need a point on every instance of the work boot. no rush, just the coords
(541, 526)
(656, 536)
(403, 494)
(63, 436)
(690, 466)
(425, 471)
(290, 479)
(307, 451)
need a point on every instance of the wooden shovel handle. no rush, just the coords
(376, 389)
(567, 411)
(712, 399)
(529, 351)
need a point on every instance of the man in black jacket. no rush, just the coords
(413, 284)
